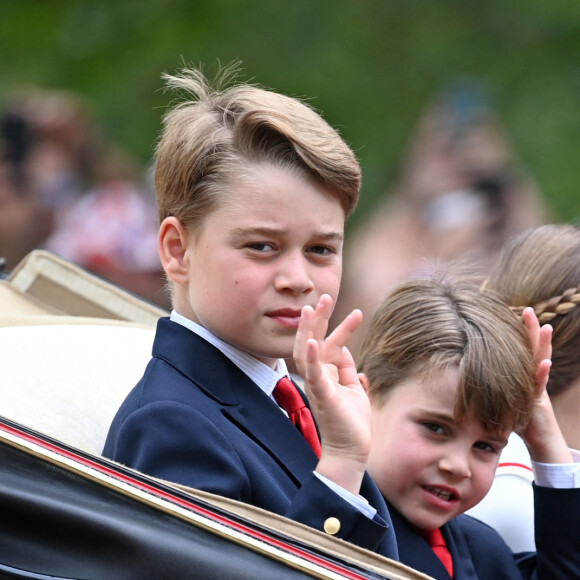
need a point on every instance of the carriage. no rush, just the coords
(71, 346)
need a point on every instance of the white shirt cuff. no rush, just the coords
(558, 475)
(358, 501)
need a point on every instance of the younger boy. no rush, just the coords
(450, 374)
(253, 189)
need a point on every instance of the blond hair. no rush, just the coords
(210, 139)
(541, 268)
(431, 324)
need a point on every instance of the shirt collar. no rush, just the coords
(260, 373)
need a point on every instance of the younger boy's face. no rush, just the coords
(273, 245)
(429, 466)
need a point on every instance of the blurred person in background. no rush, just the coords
(86, 200)
(460, 194)
(24, 223)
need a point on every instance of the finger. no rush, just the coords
(347, 373)
(545, 342)
(313, 370)
(322, 314)
(303, 333)
(344, 331)
(313, 323)
(305, 325)
(544, 354)
(542, 376)
(532, 329)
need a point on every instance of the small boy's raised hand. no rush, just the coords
(338, 400)
(542, 435)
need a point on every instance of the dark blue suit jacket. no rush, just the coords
(196, 419)
(479, 553)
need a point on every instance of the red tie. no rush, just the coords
(288, 397)
(437, 542)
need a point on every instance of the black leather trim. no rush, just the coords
(58, 523)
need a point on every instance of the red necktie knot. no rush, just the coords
(439, 546)
(287, 396)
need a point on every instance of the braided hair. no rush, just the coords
(541, 268)
(547, 310)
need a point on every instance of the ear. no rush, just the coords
(172, 244)
(364, 381)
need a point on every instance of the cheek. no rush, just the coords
(334, 282)
(336, 273)
(245, 289)
(482, 479)
(392, 461)
(397, 476)
(327, 280)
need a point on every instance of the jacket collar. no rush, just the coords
(243, 402)
(414, 550)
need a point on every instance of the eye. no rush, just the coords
(260, 246)
(485, 446)
(322, 250)
(435, 428)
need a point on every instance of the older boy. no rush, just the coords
(254, 189)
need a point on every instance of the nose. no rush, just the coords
(455, 462)
(294, 274)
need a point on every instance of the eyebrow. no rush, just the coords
(438, 415)
(268, 231)
(498, 439)
(501, 442)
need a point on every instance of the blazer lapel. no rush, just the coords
(463, 568)
(414, 551)
(242, 401)
(262, 420)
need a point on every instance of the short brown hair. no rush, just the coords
(432, 324)
(540, 268)
(210, 140)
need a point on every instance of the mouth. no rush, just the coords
(446, 495)
(288, 317)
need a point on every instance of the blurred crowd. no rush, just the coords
(460, 193)
(65, 188)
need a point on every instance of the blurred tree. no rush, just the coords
(370, 66)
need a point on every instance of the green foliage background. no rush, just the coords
(370, 66)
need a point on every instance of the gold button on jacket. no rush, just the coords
(332, 526)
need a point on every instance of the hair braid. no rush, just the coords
(556, 306)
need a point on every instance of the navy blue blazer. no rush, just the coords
(196, 419)
(479, 553)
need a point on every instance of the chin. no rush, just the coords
(271, 356)
(426, 523)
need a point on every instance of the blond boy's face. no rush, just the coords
(273, 245)
(430, 467)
